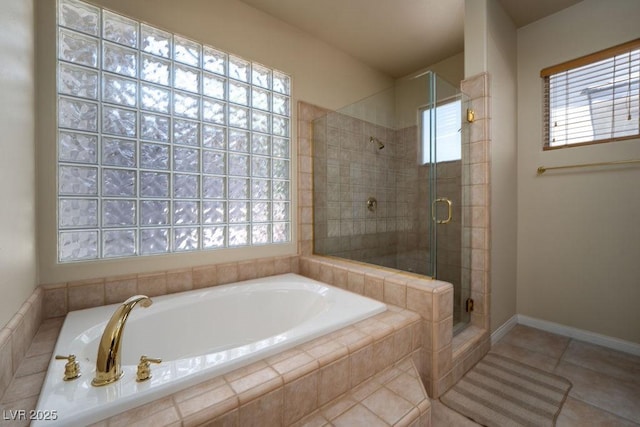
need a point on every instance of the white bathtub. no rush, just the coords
(198, 335)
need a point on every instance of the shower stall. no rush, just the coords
(390, 183)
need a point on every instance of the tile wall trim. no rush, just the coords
(16, 337)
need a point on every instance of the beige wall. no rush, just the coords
(501, 48)
(578, 231)
(17, 172)
(321, 75)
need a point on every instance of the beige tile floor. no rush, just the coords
(606, 383)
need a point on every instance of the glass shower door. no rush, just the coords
(444, 136)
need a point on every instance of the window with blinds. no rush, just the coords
(594, 98)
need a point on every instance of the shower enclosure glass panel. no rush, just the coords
(380, 165)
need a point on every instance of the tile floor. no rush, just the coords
(606, 383)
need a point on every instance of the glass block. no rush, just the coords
(118, 182)
(155, 41)
(119, 29)
(260, 121)
(214, 162)
(118, 121)
(154, 127)
(186, 78)
(214, 212)
(118, 90)
(186, 51)
(214, 136)
(260, 189)
(281, 83)
(78, 48)
(186, 159)
(261, 99)
(77, 213)
(79, 16)
(118, 243)
(155, 70)
(260, 166)
(238, 165)
(239, 68)
(261, 76)
(214, 86)
(213, 187)
(238, 141)
(281, 190)
(154, 156)
(238, 235)
(77, 147)
(238, 117)
(186, 132)
(214, 111)
(119, 59)
(280, 232)
(154, 98)
(77, 245)
(185, 213)
(280, 169)
(260, 144)
(186, 105)
(214, 60)
(213, 237)
(185, 239)
(118, 152)
(238, 188)
(77, 180)
(280, 126)
(117, 213)
(281, 147)
(260, 211)
(154, 184)
(186, 186)
(154, 212)
(77, 81)
(76, 114)
(154, 241)
(281, 105)
(260, 234)
(280, 211)
(238, 93)
(238, 212)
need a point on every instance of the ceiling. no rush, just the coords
(390, 35)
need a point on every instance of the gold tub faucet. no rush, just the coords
(108, 368)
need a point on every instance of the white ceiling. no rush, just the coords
(396, 37)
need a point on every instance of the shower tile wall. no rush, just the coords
(348, 169)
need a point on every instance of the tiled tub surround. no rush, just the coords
(363, 370)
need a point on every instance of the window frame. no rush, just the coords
(547, 73)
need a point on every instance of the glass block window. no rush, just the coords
(164, 144)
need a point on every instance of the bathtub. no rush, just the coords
(198, 335)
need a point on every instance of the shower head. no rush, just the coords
(377, 141)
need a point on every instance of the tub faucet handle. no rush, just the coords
(71, 368)
(144, 368)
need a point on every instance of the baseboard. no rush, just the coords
(581, 334)
(504, 329)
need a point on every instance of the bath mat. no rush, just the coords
(499, 392)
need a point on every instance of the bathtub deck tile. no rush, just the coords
(159, 412)
(207, 406)
(199, 389)
(328, 352)
(256, 384)
(297, 365)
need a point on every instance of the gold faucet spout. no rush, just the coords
(108, 368)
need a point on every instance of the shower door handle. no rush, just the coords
(449, 209)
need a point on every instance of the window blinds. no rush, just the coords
(595, 98)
